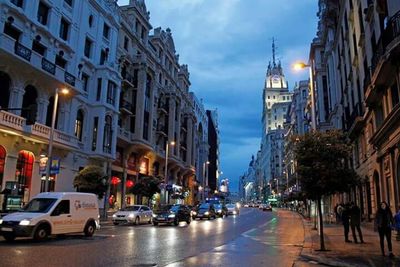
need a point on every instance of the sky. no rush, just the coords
(227, 45)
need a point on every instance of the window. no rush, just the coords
(18, 3)
(126, 43)
(68, 2)
(90, 21)
(24, 169)
(85, 82)
(11, 31)
(269, 97)
(64, 28)
(394, 90)
(38, 47)
(106, 31)
(43, 13)
(94, 133)
(103, 56)
(111, 93)
(62, 208)
(2, 162)
(79, 125)
(88, 47)
(107, 142)
(99, 84)
(60, 61)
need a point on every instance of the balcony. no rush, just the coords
(22, 51)
(48, 66)
(387, 51)
(128, 81)
(125, 107)
(69, 78)
(162, 130)
(124, 134)
(163, 108)
(355, 122)
(16, 125)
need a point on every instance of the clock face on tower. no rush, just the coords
(275, 79)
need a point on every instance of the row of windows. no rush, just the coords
(283, 97)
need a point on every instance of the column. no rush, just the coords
(140, 103)
(189, 140)
(171, 121)
(124, 176)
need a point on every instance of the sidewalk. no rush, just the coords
(341, 253)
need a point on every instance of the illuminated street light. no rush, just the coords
(299, 66)
(63, 91)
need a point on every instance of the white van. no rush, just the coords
(53, 213)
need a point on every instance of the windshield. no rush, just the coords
(204, 206)
(218, 206)
(131, 208)
(230, 205)
(41, 205)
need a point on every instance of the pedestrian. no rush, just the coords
(337, 209)
(397, 224)
(346, 222)
(355, 222)
(383, 224)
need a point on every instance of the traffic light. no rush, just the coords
(31, 114)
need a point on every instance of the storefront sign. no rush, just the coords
(55, 166)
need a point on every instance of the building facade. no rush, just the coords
(355, 69)
(128, 100)
(43, 48)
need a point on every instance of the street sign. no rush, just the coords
(55, 166)
(42, 166)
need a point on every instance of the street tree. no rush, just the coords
(91, 179)
(323, 167)
(147, 187)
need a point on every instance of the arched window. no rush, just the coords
(23, 172)
(30, 97)
(5, 83)
(79, 125)
(2, 163)
(107, 141)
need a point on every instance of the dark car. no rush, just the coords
(205, 210)
(267, 207)
(172, 214)
(221, 210)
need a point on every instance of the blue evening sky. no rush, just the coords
(227, 46)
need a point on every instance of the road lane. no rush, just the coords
(127, 245)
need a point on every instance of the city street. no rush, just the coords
(254, 238)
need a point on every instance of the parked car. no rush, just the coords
(206, 210)
(232, 209)
(51, 213)
(267, 207)
(221, 210)
(172, 214)
(133, 214)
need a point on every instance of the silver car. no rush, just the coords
(136, 214)
(232, 209)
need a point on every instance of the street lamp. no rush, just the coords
(172, 143)
(299, 66)
(205, 181)
(63, 91)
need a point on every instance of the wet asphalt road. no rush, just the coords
(254, 238)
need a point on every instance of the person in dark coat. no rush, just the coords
(355, 222)
(346, 222)
(383, 224)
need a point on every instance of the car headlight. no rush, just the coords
(154, 215)
(206, 213)
(171, 216)
(114, 216)
(194, 213)
(219, 211)
(131, 215)
(24, 222)
(234, 212)
(1, 221)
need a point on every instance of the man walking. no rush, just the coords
(346, 222)
(355, 222)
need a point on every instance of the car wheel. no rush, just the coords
(155, 223)
(137, 221)
(176, 222)
(150, 220)
(209, 217)
(90, 228)
(115, 223)
(9, 237)
(189, 220)
(41, 233)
